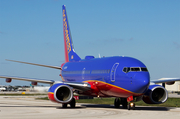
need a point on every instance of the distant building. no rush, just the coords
(175, 87)
(41, 88)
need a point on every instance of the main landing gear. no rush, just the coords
(72, 104)
(125, 104)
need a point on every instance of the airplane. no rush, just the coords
(125, 78)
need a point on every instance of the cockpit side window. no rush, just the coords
(143, 69)
(134, 69)
(126, 69)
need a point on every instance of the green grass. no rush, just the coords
(44, 98)
(20, 94)
(171, 102)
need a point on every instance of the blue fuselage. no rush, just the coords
(125, 72)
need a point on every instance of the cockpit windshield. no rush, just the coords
(134, 69)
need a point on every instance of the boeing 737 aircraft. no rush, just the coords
(125, 78)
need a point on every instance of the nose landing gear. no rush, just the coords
(131, 105)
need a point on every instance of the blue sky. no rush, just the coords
(31, 30)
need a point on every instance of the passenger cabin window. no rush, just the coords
(134, 69)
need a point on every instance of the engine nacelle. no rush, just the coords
(8, 80)
(60, 93)
(34, 83)
(156, 94)
(170, 83)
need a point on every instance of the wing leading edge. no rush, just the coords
(54, 67)
(82, 86)
(29, 79)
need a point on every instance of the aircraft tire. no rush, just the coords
(128, 107)
(73, 103)
(124, 103)
(116, 103)
(64, 105)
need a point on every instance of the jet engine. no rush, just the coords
(60, 93)
(170, 83)
(8, 80)
(156, 94)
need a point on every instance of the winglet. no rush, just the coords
(70, 54)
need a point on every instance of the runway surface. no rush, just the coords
(26, 107)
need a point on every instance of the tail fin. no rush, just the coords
(70, 54)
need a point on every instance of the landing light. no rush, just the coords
(131, 104)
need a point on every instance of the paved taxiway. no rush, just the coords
(26, 107)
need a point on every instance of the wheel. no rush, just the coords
(124, 103)
(129, 106)
(64, 105)
(116, 103)
(73, 103)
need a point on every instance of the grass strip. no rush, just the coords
(171, 102)
(21, 94)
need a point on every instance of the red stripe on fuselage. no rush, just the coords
(108, 90)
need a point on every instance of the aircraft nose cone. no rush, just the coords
(143, 80)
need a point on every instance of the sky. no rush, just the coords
(31, 31)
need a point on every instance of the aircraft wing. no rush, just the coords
(165, 80)
(54, 67)
(82, 86)
(29, 79)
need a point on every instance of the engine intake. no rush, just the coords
(60, 93)
(156, 94)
